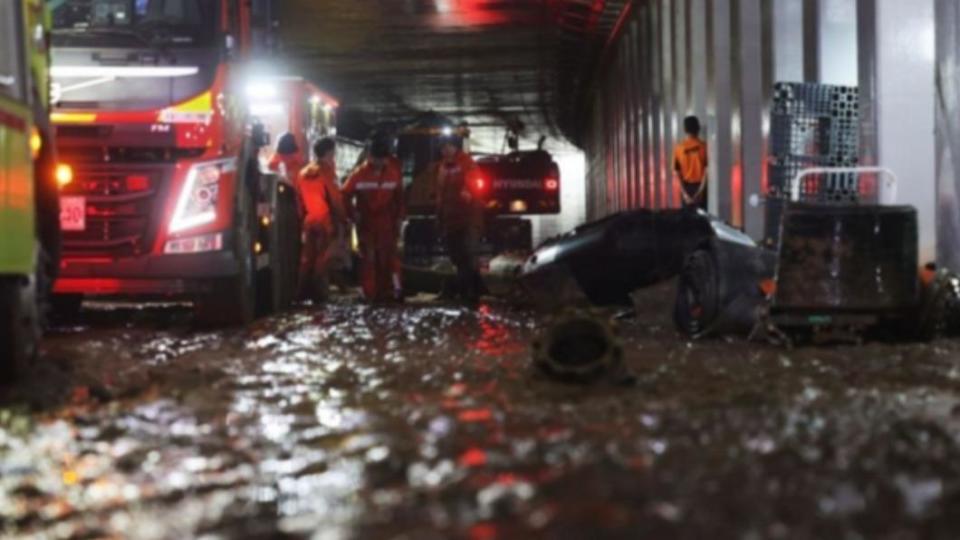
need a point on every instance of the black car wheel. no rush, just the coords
(698, 294)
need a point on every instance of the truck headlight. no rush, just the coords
(197, 204)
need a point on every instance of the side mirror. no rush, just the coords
(229, 44)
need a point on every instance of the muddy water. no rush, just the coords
(425, 421)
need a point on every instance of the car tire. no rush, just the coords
(580, 346)
(698, 294)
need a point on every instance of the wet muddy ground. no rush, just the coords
(426, 421)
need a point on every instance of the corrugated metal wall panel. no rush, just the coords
(948, 133)
(712, 58)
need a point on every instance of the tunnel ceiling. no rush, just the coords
(482, 61)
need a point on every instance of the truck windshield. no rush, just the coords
(121, 23)
(132, 54)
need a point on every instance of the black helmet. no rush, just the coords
(287, 144)
(451, 138)
(381, 145)
(323, 147)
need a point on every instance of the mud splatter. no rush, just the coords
(426, 421)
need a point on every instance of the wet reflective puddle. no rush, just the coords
(426, 421)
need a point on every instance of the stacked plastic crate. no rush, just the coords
(812, 126)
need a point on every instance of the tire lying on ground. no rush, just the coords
(580, 347)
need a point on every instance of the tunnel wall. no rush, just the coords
(717, 59)
(948, 133)
(898, 73)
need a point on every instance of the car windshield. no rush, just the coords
(127, 22)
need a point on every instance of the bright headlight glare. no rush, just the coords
(262, 90)
(197, 204)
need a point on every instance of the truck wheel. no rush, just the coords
(284, 250)
(21, 320)
(233, 300)
(698, 294)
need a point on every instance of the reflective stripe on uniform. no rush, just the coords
(376, 186)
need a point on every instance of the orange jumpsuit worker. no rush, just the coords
(287, 158)
(324, 214)
(377, 187)
(460, 215)
(690, 164)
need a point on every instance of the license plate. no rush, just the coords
(73, 213)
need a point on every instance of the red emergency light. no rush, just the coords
(480, 184)
(138, 183)
(551, 184)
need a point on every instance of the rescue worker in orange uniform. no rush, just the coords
(460, 215)
(324, 216)
(690, 164)
(375, 190)
(287, 159)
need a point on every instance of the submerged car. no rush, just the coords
(607, 260)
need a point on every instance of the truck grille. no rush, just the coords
(120, 154)
(120, 211)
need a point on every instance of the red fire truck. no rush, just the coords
(290, 104)
(169, 198)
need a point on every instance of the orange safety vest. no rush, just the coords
(379, 194)
(317, 184)
(292, 163)
(453, 179)
(690, 160)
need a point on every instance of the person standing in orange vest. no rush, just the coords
(460, 215)
(324, 212)
(286, 159)
(376, 192)
(690, 164)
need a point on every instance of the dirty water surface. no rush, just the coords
(426, 421)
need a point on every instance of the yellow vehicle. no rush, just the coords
(29, 208)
